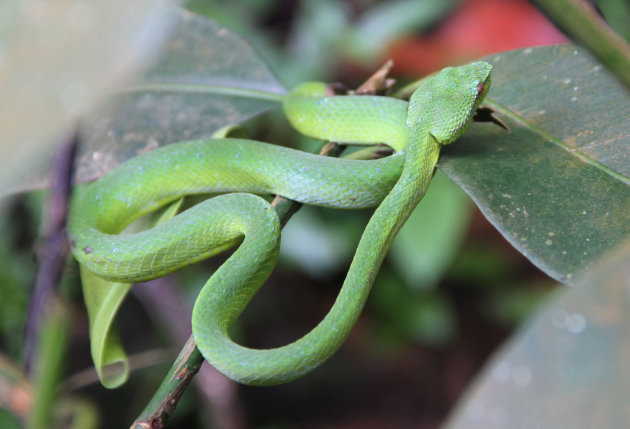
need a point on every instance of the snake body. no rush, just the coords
(437, 113)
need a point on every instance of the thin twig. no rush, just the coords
(165, 399)
(378, 83)
(89, 376)
(53, 249)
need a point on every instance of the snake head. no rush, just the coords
(447, 101)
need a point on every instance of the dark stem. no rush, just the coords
(53, 247)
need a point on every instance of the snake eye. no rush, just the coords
(480, 88)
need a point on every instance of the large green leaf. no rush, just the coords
(102, 301)
(557, 186)
(207, 77)
(569, 367)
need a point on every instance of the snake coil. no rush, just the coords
(437, 113)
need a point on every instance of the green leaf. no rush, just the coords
(568, 367)
(102, 300)
(557, 185)
(207, 77)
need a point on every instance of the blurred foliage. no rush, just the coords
(60, 58)
(19, 224)
(426, 246)
(567, 368)
(49, 365)
(403, 316)
(440, 269)
(7, 421)
(324, 33)
(617, 14)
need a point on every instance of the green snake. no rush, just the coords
(438, 112)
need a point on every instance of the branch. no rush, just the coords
(53, 250)
(47, 320)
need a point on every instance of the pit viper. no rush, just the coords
(241, 170)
